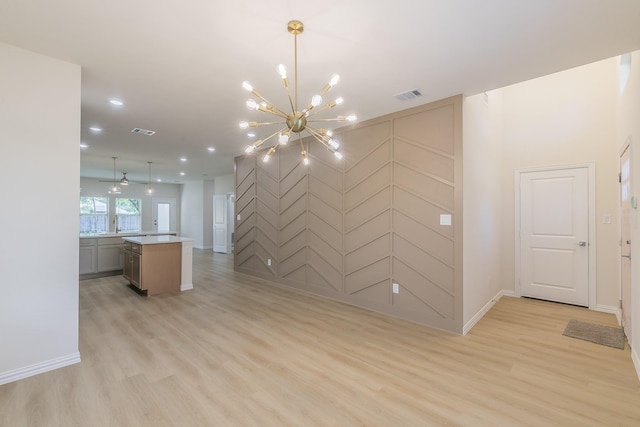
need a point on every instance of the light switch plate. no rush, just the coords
(396, 288)
(445, 219)
(238, 217)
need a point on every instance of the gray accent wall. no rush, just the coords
(349, 229)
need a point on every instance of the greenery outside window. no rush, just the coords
(94, 215)
(128, 216)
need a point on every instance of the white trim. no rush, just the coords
(636, 361)
(506, 293)
(610, 309)
(591, 172)
(39, 368)
(186, 286)
(480, 314)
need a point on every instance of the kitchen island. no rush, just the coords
(101, 253)
(157, 264)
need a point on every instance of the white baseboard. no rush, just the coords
(476, 318)
(505, 293)
(610, 309)
(636, 361)
(39, 368)
(186, 286)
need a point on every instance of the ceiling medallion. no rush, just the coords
(298, 120)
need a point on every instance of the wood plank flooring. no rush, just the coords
(239, 351)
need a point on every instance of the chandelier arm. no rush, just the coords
(321, 139)
(269, 123)
(272, 135)
(319, 110)
(335, 119)
(274, 109)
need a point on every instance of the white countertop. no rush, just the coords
(111, 234)
(154, 240)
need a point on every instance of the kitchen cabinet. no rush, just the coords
(110, 255)
(155, 267)
(88, 256)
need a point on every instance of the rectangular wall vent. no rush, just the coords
(410, 94)
(143, 131)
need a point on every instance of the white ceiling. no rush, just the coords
(178, 66)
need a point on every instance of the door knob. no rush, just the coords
(582, 243)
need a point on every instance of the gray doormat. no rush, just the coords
(599, 334)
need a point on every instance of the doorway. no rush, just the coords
(555, 234)
(164, 214)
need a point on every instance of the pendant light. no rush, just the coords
(124, 180)
(149, 189)
(114, 189)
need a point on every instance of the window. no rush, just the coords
(94, 215)
(128, 215)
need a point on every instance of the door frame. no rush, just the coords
(626, 146)
(591, 194)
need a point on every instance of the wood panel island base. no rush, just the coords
(157, 264)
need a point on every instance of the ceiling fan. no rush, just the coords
(124, 181)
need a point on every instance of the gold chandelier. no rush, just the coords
(298, 120)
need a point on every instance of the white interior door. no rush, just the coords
(625, 240)
(220, 223)
(164, 214)
(554, 235)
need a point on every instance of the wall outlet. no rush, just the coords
(238, 217)
(269, 262)
(445, 219)
(396, 288)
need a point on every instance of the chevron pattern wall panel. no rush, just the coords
(324, 221)
(245, 241)
(389, 215)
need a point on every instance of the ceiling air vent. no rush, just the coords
(408, 95)
(143, 131)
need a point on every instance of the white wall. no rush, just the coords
(197, 208)
(628, 128)
(40, 165)
(225, 184)
(482, 201)
(92, 187)
(566, 118)
(192, 212)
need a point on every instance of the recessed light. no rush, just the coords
(116, 102)
(183, 159)
(181, 173)
(251, 135)
(83, 145)
(159, 180)
(95, 129)
(211, 149)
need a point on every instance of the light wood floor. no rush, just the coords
(239, 351)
